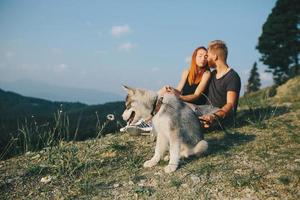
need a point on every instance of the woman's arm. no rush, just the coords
(201, 87)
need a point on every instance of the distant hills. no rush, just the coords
(57, 93)
(17, 110)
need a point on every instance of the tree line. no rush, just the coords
(279, 45)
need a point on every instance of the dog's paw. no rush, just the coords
(184, 154)
(167, 158)
(170, 168)
(149, 163)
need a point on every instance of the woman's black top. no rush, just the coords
(190, 89)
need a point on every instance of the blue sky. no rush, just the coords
(103, 44)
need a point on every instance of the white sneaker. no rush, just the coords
(123, 129)
(140, 127)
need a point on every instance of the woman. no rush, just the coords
(192, 86)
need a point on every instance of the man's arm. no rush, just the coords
(231, 101)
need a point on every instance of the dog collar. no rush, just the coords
(156, 105)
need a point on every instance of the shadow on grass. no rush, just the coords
(252, 116)
(258, 115)
(223, 145)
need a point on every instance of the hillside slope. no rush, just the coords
(258, 158)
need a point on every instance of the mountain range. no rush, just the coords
(44, 90)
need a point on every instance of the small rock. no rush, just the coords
(27, 153)
(37, 156)
(141, 184)
(185, 185)
(131, 183)
(46, 179)
(116, 185)
(237, 171)
(297, 160)
(142, 181)
(195, 179)
(157, 173)
(9, 180)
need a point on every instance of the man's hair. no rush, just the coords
(218, 47)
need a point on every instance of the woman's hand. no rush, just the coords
(168, 89)
(174, 91)
(164, 90)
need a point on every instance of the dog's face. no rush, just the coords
(139, 104)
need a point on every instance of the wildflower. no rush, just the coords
(110, 117)
(46, 179)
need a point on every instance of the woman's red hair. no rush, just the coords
(194, 77)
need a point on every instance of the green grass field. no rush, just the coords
(258, 158)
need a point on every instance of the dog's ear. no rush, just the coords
(129, 90)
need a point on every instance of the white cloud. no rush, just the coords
(187, 59)
(117, 31)
(128, 46)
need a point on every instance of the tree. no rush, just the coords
(254, 80)
(279, 42)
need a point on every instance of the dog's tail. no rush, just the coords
(200, 148)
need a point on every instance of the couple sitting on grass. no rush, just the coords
(212, 95)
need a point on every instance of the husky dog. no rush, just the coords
(174, 123)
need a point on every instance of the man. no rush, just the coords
(223, 89)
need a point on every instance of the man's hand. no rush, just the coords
(207, 120)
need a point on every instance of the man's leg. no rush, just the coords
(201, 110)
(205, 110)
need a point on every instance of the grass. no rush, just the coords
(175, 182)
(246, 180)
(32, 136)
(259, 158)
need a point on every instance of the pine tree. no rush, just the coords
(254, 80)
(279, 42)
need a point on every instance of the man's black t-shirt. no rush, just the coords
(218, 88)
